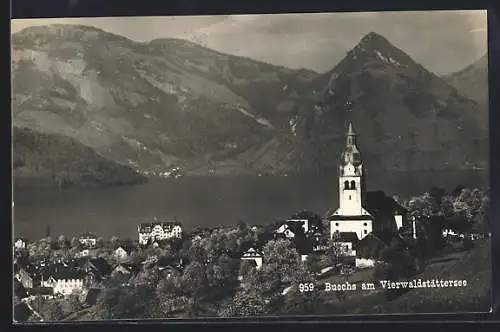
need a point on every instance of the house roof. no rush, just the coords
(41, 291)
(61, 272)
(166, 225)
(252, 252)
(87, 235)
(101, 265)
(127, 247)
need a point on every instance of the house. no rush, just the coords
(450, 233)
(43, 292)
(88, 240)
(28, 276)
(84, 253)
(292, 227)
(95, 269)
(63, 280)
(20, 243)
(253, 255)
(149, 232)
(125, 269)
(359, 211)
(122, 252)
(347, 243)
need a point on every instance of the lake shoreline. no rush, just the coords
(204, 201)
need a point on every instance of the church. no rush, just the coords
(361, 213)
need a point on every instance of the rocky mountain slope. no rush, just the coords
(171, 102)
(472, 81)
(408, 118)
(148, 105)
(56, 160)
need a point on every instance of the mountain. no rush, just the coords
(151, 105)
(472, 81)
(170, 102)
(407, 117)
(56, 160)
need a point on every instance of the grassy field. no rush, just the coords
(473, 266)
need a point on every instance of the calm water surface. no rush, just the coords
(201, 201)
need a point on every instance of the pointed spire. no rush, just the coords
(350, 131)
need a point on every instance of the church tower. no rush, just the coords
(350, 215)
(351, 191)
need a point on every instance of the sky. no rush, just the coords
(442, 41)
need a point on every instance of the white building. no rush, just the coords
(158, 231)
(254, 255)
(20, 244)
(64, 282)
(88, 240)
(359, 211)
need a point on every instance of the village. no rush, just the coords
(367, 233)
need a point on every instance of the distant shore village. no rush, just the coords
(361, 220)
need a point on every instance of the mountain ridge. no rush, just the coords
(169, 102)
(472, 81)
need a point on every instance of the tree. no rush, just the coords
(247, 269)
(61, 241)
(123, 302)
(74, 243)
(170, 297)
(114, 242)
(242, 226)
(74, 301)
(194, 279)
(100, 242)
(400, 262)
(222, 276)
(51, 310)
(246, 304)
(334, 251)
(313, 263)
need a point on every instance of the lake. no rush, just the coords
(202, 201)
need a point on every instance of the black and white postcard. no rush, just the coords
(250, 166)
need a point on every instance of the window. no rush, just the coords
(349, 197)
(353, 184)
(337, 224)
(346, 185)
(365, 224)
(365, 231)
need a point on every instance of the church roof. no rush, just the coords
(379, 202)
(340, 217)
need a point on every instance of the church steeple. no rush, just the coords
(351, 136)
(351, 153)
